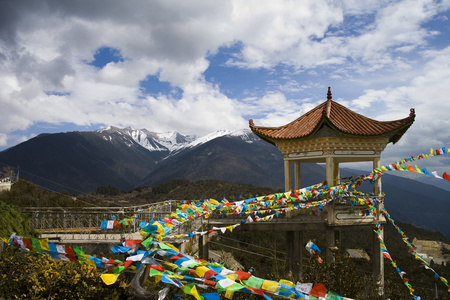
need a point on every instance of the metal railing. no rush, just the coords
(84, 223)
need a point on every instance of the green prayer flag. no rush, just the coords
(190, 289)
(164, 246)
(147, 242)
(254, 282)
(154, 272)
(118, 269)
(36, 245)
(235, 287)
(82, 257)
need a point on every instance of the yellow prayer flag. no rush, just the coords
(270, 286)
(195, 293)
(418, 170)
(171, 265)
(173, 247)
(109, 279)
(231, 276)
(229, 294)
(215, 202)
(201, 270)
(287, 282)
(91, 262)
(230, 228)
(44, 244)
(158, 277)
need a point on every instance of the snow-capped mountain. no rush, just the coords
(170, 141)
(128, 157)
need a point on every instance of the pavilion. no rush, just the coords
(332, 134)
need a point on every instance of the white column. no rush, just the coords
(330, 171)
(378, 262)
(287, 175)
(297, 175)
(336, 174)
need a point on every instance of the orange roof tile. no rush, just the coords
(340, 119)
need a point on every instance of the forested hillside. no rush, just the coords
(265, 252)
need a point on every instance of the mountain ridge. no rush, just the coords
(80, 162)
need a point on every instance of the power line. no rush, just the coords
(253, 245)
(54, 182)
(48, 189)
(251, 252)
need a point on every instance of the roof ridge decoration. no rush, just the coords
(340, 119)
(328, 106)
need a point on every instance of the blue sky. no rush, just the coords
(200, 66)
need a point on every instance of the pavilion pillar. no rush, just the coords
(333, 237)
(297, 175)
(203, 247)
(330, 170)
(336, 174)
(294, 258)
(287, 175)
(378, 259)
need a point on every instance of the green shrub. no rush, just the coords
(32, 276)
(12, 220)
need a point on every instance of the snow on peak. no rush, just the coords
(171, 140)
(209, 137)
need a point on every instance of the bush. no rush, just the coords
(30, 275)
(12, 220)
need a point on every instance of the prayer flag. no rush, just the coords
(436, 175)
(410, 168)
(190, 289)
(304, 288)
(44, 244)
(108, 278)
(318, 290)
(269, 285)
(446, 176)
(211, 296)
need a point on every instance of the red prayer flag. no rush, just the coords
(69, 250)
(242, 275)
(446, 176)
(318, 290)
(28, 243)
(179, 255)
(117, 225)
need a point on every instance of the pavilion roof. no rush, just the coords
(337, 117)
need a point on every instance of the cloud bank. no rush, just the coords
(145, 64)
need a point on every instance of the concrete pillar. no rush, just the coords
(203, 247)
(333, 240)
(294, 258)
(378, 261)
(377, 183)
(378, 258)
(330, 170)
(297, 175)
(201, 254)
(336, 174)
(287, 175)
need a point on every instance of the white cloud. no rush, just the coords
(428, 94)
(382, 46)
